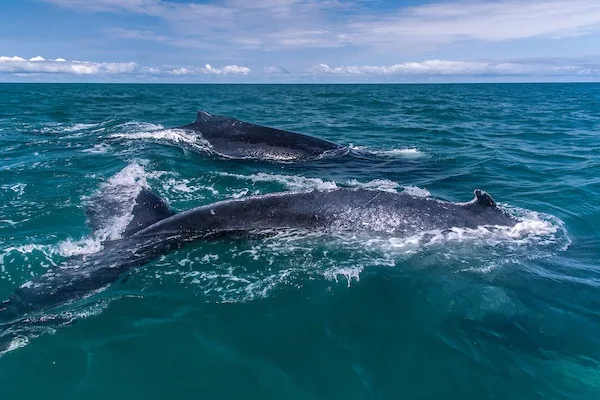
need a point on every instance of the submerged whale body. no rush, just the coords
(237, 139)
(155, 229)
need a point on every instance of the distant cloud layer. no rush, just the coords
(458, 68)
(39, 65)
(61, 66)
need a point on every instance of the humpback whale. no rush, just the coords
(155, 229)
(237, 139)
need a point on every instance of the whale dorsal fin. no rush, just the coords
(149, 209)
(483, 198)
(202, 116)
(205, 122)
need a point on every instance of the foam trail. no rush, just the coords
(408, 152)
(377, 184)
(292, 182)
(158, 133)
(296, 182)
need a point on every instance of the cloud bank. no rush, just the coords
(40, 65)
(408, 71)
(459, 68)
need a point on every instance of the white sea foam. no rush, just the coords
(532, 230)
(409, 152)
(416, 191)
(8, 222)
(186, 186)
(72, 130)
(144, 131)
(28, 256)
(27, 249)
(297, 182)
(78, 127)
(292, 182)
(378, 184)
(18, 188)
(70, 247)
(98, 149)
(16, 343)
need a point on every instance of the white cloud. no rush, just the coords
(210, 70)
(235, 70)
(439, 69)
(457, 68)
(38, 64)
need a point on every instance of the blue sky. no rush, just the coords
(299, 40)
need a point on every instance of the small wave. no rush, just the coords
(297, 182)
(70, 247)
(408, 152)
(8, 222)
(78, 127)
(292, 182)
(386, 185)
(72, 130)
(97, 149)
(27, 250)
(377, 184)
(28, 257)
(134, 126)
(158, 133)
(17, 188)
(416, 191)
(187, 187)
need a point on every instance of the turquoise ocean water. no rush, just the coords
(465, 314)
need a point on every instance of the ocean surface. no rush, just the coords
(460, 314)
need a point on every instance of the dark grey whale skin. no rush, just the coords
(156, 229)
(237, 139)
(399, 214)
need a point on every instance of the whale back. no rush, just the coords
(237, 138)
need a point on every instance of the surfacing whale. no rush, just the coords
(155, 229)
(237, 139)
